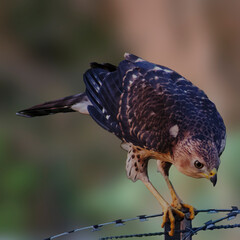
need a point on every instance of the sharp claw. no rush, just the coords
(164, 218)
(191, 210)
(172, 223)
(178, 204)
(168, 212)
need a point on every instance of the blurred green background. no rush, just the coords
(63, 171)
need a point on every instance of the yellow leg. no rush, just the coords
(167, 209)
(176, 201)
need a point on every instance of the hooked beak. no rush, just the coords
(213, 176)
(214, 179)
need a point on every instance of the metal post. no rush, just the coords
(186, 223)
(180, 224)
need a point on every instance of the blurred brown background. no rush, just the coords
(64, 171)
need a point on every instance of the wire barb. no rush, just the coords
(209, 225)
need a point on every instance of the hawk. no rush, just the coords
(157, 114)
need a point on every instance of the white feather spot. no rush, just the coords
(127, 72)
(139, 60)
(134, 76)
(156, 68)
(168, 71)
(156, 77)
(81, 107)
(107, 117)
(126, 55)
(181, 79)
(174, 131)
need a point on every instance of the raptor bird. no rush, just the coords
(158, 114)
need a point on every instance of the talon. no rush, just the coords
(172, 223)
(190, 209)
(178, 204)
(168, 214)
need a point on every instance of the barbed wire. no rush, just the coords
(191, 231)
(209, 225)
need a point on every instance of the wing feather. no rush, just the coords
(140, 101)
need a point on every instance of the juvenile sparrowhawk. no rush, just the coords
(157, 114)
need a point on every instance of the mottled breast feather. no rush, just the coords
(140, 101)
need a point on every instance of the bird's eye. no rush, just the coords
(198, 164)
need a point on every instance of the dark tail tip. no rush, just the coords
(62, 105)
(24, 114)
(43, 111)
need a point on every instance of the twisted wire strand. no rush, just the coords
(210, 225)
(229, 226)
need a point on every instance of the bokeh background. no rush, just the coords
(63, 171)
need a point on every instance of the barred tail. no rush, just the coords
(78, 102)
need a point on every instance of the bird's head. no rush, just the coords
(197, 157)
